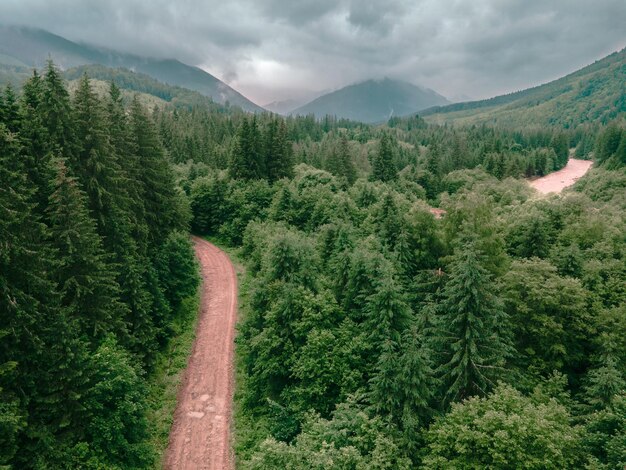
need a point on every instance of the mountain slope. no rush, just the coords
(21, 46)
(592, 94)
(283, 107)
(373, 101)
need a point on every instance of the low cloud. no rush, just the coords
(276, 49)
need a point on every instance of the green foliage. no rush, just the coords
(592, 94)
(472, 329)
(354, 289)
(177, 267)
(350, 440)
(383, 165)
(92, 266)
(504, 430)
(549, 316)
(86, 280)
(115, 403)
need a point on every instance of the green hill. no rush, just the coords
(592, 94)
(135, 82)
(22, 47)
(373, 101)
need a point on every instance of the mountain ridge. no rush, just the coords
(589, 94)
(32, 47)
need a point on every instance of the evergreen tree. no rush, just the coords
(560, 145)
(340, 161)
(246, 160)
(471, 335)
(124, 148)
(37, 146)
(95, 164)
(87, 282)
(48, 360)
(9, 110)
(155, 178)
(278, 154)
(386, 310)
(383, 168)
(56, 113)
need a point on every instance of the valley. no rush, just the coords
(392, 281)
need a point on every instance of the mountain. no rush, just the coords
(592, 94)
(28, 47)
(373, 101)
(283, 107)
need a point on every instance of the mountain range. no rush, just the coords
(592, 94)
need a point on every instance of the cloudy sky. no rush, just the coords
(278, 49)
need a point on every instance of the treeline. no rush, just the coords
(95, 262)
(348, 150)
(376, 336)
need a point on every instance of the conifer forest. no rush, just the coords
(405, 298)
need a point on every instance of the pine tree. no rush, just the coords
(156, 178)
(124, 148)
(387, 311)
(9, 110)
(341, 163)
(94, 164)
(86, 280)
(470, 337)
(37, 150)
(41, 345)
(416, 382)
(246, 156)
(56, 113)
(383, 167)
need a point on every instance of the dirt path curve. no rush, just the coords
(559, 180)
(200, 434)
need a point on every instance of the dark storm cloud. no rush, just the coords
(274, 49)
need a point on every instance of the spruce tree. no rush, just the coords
(471, 333)
(9, 110)
(37, 145)
(278, 158)
(123, 146)
(246, 156)
(344, 157)
(86, 281)
(56, 113)
(387, 311)
(383, 168)
(94, 163)
(155, 178)
(48, 359)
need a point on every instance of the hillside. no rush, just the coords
(22, 48)
(373, 101)
(592, 94)
(136, 82)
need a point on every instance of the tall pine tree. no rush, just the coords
(471, 331)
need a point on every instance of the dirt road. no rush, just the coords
(200, 434)
(559, 180)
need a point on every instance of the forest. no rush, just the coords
(377, 336)
(372, 334)
(96, 268)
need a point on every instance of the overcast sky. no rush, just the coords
(278, 49)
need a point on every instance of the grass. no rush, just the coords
(164, 382)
